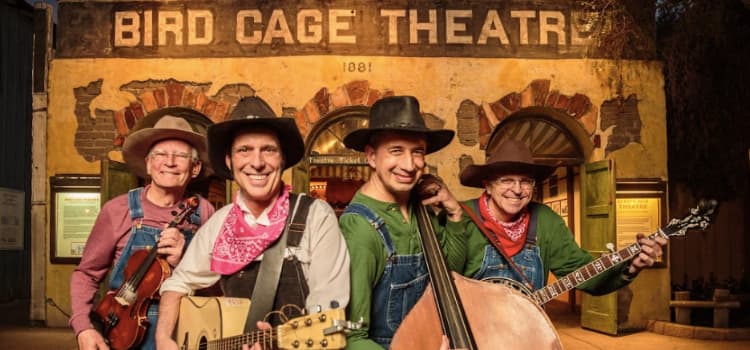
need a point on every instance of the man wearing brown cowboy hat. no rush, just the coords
(534, 237)
(265, 226)
(171, 154)
(380, 225)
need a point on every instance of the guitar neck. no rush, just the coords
(266, 339)
(589, 271)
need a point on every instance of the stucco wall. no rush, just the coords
(441, 84)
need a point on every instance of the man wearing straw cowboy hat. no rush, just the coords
(531, 235)
(380, 224)
(171, 154)
(265, 226)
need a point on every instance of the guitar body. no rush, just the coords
(203, 319)
(219, 323)
(499, 316)
(121, 314)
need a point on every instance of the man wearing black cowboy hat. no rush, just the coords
(171, 153)
(380, 226)
(534, 237)
(264, 220)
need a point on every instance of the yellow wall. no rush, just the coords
(441, 84)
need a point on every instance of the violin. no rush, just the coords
(121, 315)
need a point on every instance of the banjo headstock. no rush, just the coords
(699, 217)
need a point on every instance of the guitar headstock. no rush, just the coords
(699, 218)
(323, 330)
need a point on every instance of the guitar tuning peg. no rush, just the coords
(334, 304)
(317, 309)
(610, 247)
(174, 212)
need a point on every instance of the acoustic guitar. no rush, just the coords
(219, 322)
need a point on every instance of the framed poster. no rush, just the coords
(640, 208)
(75, 205)
(11, 219)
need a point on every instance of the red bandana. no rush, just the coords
(512, 235)
(238, 243)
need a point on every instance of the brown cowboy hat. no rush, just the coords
(507, 157)
(397, 113)
(171, 123)
(250, 113)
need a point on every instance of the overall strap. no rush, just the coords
(375, 221)
(297, 226)
(531, 234)
(496, 243)
(267, 282)
(134, 203)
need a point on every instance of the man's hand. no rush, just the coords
(90, 339)
(165, 343)
(171, 244)
(651, 249)
(265, 326)
(433, 192)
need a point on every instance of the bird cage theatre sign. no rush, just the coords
(530, 29)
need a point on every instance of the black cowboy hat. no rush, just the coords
(162, 124)
(507, 157)
(250, 113)
(397, 113)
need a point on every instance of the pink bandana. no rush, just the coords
(238, 244)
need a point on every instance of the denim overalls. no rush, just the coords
(402, 284)
(528, 259)
(143, 237)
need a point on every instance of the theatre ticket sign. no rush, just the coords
(231, 28)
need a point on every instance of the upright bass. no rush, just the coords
(473, 314)
(121, 314)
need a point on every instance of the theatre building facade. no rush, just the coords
(489, 70)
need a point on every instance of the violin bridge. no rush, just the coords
(126, 298)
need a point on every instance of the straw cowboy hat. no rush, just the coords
(171, 123)
(397, 113)
(507, 157)
(250, 113)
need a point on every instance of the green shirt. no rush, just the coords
(368, 254)
(558, 249)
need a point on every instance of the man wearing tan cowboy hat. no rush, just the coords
(380, 224)
(265, 226)
(171, 154)
(534, 237)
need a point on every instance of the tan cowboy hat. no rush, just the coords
(250, 113)
(170, 125)
(398, 113)
(507, 157)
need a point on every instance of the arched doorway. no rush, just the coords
(558, 140)
(329, 170)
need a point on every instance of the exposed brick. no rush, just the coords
(495, 112)
(188, 98)
(221, 112)
(137, 110)
(161, 97)
(299, 119)
(148, 100)
(200, 100)
(373, 96)
(388, 93)
(232, 93)
(432, 121)
(358, 92)
(209, 107)
(467, 123)
(464, 161)
(485, 130)
(563, 102)
(174, 94)
(129, 118)
(539, 90)
(579, 105)
(622, 114)
(339, 98)
(589, 120)
(311, 112)
(322, 101)
(511, 102)
(122, 127)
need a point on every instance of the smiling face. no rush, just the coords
(257, 163)
(509, 194)
(171, 164)
(398, 161)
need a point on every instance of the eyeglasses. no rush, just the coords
(508, 182)
(164, 155)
